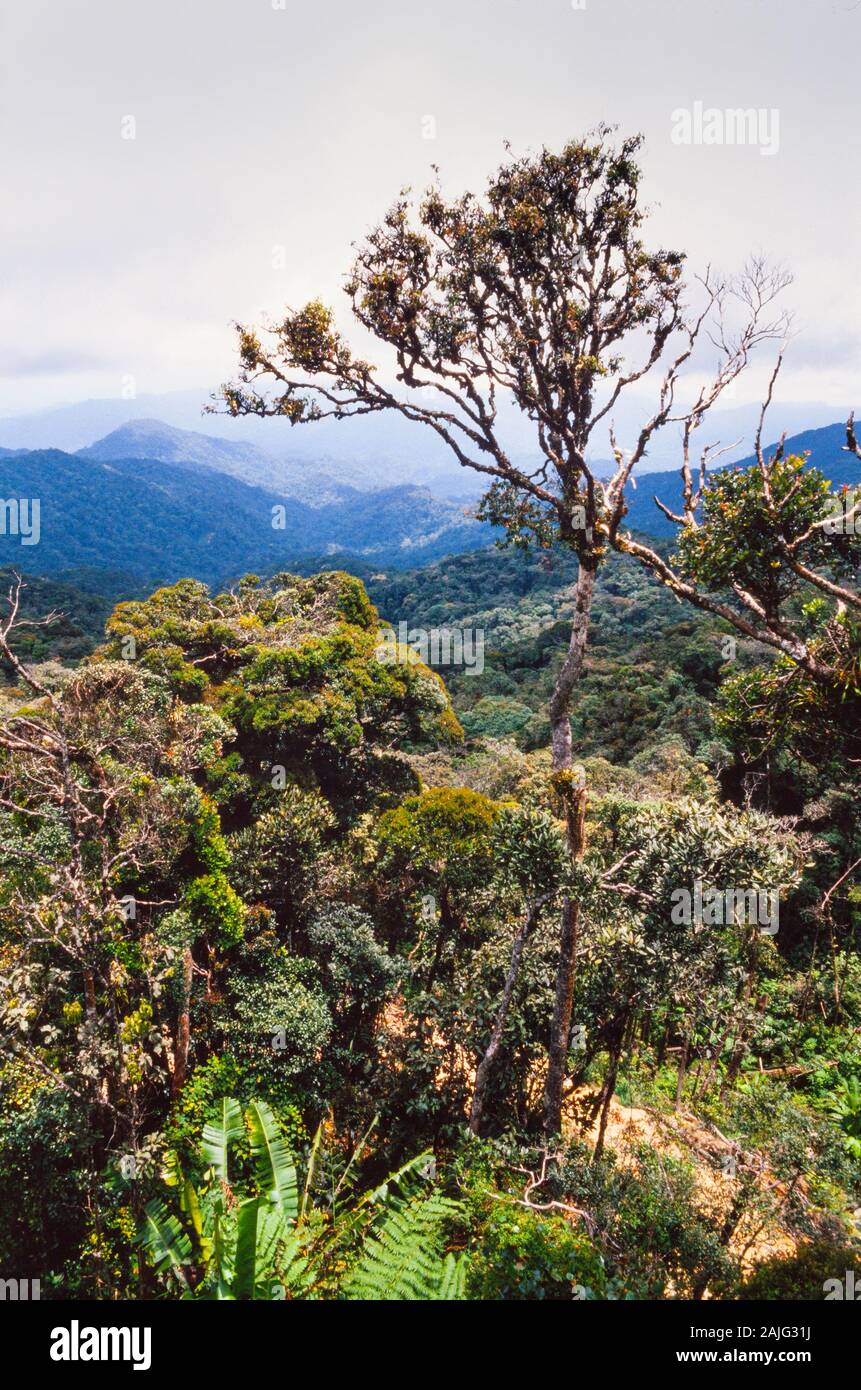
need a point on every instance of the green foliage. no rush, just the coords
(651, 670)
(224, 1247)
(291, 664)
(276, 1017)
(649, 1223)
(778, 706)
(45, 1155)
(442, 834)
(846, 1109)
(266, 1243)
(525, 1256)
(278, 859)
(214, 1080)
(83, 604)
(740, 541)
(530, 854)
(328, 884)
(403, 1258)
(357, 971)
(802, 1276)
(801, 1145)
(214, 907)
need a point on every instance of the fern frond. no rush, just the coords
(453, 1282)
(293, 1272)
(403, 1259)
(405, 1182)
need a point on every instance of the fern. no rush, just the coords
(453, 1282)
(266, 1244)
(403, 1260)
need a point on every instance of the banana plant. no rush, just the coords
(226, 1246)
(272, 1243)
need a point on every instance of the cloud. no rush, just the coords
(259, 128)
(52, 362)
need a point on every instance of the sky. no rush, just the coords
(268, 135)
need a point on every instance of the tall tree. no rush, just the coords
(542, 295)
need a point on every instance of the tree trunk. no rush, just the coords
(447, 930)
(615, 1054)
(90, 993)
(561, 1025)
(683, 1068)
(745, 1027)
(609, 1088)
(183, 1032)
(717, 1053)
(482, 1075)
(574, 798)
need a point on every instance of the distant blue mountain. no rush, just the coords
(827, 453)
(365, 451)
(153, 439)
(159, 521)
(163, 521)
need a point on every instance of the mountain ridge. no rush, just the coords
(112, 513)
(367, 450)
(154, 439)
(825, 446)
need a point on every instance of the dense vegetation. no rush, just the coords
(283, 881)
(652, 669)
(330, 975)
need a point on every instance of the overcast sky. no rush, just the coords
(265, 124)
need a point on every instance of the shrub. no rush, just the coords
(802, 1275)
(526, 1256)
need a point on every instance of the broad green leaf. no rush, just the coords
(276, 1174)
(219, 1133)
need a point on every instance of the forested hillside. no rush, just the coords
(484, 930)
(651, 670)
(296, 893)
(160, 521)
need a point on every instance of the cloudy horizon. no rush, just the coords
(265, 142)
